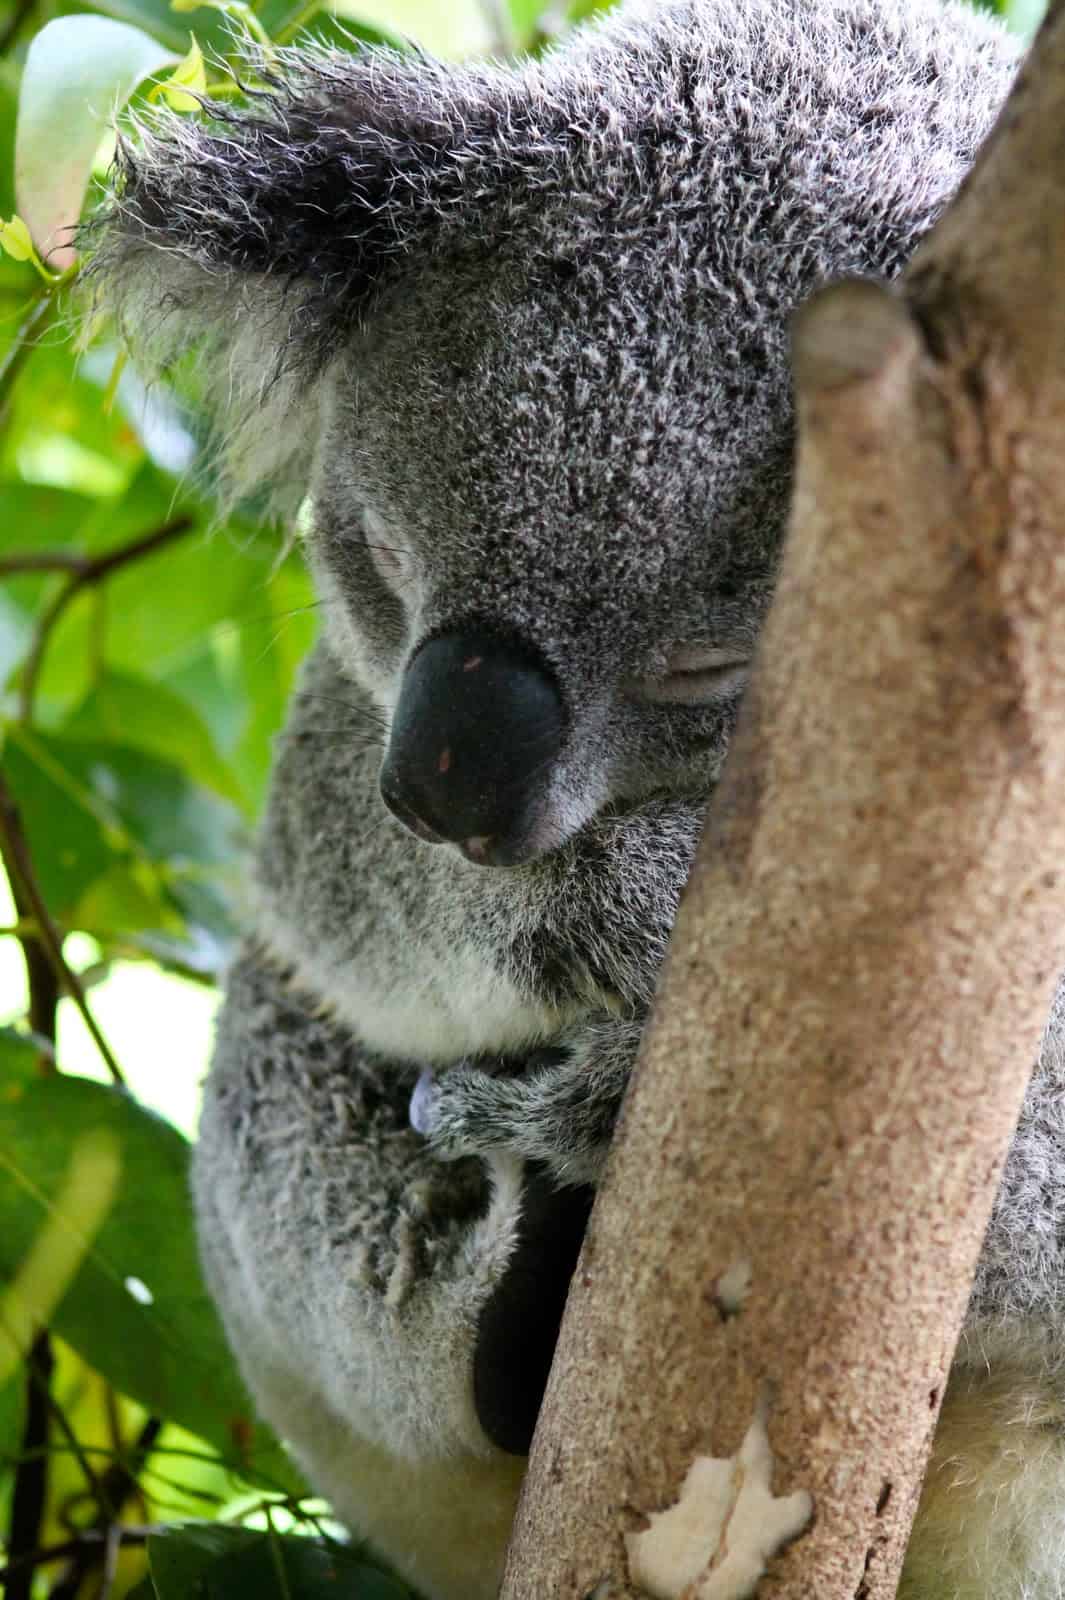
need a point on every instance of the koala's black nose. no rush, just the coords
(474, 736)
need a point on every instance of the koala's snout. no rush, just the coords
(475, 735)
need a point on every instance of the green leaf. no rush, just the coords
(18, 1068)
(267, 657)
(200, 1561)
(581, 10)
(125, 846)
(304, 23)
(12, 1425)
(133, 711)
(15, 239)
(185, 84)
(36, 516)
(78, 71)
(68, 842)
(168, 1351)
(18, 1063)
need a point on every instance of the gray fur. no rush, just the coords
(520, 336)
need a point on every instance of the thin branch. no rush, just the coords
(125, 1533)
(31, 1479)
(84, 572)
(36, 321)
(29, 901)
(21, 14)
(114, 1488)
(42, 561)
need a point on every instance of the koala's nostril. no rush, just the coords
(475, 734)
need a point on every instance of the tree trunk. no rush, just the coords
(782, 1250)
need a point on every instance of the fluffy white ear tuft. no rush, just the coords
(252, 243)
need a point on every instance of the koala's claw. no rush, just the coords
(422, 1101)
(557, 1110)
(447, 1111)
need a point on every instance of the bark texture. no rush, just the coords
(868, 947)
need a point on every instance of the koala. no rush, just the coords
(508, 345)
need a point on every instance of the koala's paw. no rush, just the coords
(557, 1107)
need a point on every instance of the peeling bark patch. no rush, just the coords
(732, 1289)
(717, 1541)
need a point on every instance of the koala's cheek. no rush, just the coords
(519, 1325)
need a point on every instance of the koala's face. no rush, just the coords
(521, 332)
(544, 526)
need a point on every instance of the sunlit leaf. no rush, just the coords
(78, 70)
(185, 84)
(15, 239)
(125, 709)
(201, 1561)
(137, 1310)
(18, 1063)
(68, 841)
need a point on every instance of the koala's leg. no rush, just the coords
(394, 1315)
(991, 1521)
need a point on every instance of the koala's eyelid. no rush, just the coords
(705, 657)
(393, 560)
(696, 675)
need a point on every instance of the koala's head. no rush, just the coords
(518, 341)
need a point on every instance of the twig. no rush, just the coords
(33, 324)
(125, 1533)
(21, 13)
(115, 1487)
(84, 572)
(31, 1479)
(45, 950)
(42, 561)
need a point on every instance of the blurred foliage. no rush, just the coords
(146, 655)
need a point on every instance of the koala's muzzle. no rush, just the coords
(475, 735)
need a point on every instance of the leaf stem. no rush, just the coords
(31, 1480)
(47, 945)
(84, 571)
(40, 314)
(127, 1534)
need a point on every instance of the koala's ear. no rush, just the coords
(257, 239)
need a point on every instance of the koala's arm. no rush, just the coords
(394, 1315)
(558, 1108)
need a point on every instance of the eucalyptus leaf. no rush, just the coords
(124, 708)
(78, 71)
(137, 1310)
(201, 1561)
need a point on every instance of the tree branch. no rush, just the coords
(44, 949)
(781, 1254)
(31, 1479)
(98, 1545)
(48, 1554)
(20, 14)
(84, 572)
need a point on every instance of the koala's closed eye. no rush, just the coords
(393, 559)
(695, 675)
